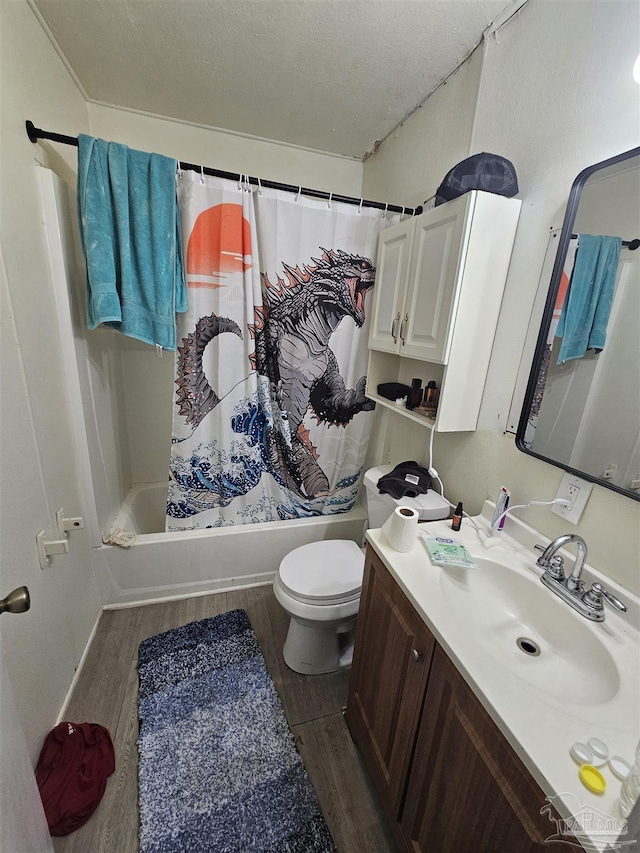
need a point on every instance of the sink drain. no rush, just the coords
(528, 646)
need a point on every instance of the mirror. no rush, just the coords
(581, 409)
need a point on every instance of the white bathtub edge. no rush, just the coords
(131, 599)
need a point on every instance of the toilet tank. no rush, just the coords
(430, 506)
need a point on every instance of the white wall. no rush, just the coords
(147, 380)
(556, 94)
(41, 647)
(231, 152)
(409, 166)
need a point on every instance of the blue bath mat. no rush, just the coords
(219, 770)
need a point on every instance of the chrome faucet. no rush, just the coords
(574, 581)
(571, 588)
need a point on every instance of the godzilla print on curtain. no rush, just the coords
(270, 419)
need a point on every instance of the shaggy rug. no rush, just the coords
(219, 770)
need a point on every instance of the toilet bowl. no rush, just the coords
(319, 585)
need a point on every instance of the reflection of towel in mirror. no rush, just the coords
(585, 314)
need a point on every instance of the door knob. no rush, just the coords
(17, 601)
(416, 655)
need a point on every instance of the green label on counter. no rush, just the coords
(447, 552)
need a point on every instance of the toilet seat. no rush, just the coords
(323, 573)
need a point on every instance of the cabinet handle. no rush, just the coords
(416, 655)
(403, 327)
(394, 334)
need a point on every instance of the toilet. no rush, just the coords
(319, 585)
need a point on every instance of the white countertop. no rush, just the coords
(539, 726)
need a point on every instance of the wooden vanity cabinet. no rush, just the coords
(467, 790)
(449, 781)
(388, 680)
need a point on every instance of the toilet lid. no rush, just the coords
(323, 572)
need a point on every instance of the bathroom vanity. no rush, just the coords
(465, 736)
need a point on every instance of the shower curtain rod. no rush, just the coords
(36, 133)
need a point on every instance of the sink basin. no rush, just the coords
(528, 629)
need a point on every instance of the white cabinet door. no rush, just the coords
(392, 270)
(437, 264)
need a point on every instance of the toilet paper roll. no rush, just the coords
(400, 528)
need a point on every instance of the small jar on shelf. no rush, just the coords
(430, 398)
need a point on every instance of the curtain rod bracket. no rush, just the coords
(32, 131)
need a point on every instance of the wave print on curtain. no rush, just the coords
(270, 419)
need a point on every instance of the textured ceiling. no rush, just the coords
(333, 75)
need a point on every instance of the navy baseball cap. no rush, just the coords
(489, 172)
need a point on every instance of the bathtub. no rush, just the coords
(163, 565)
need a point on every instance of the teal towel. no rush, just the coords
(585, 313)
(130, 230)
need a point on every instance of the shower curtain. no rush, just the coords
(270, 418)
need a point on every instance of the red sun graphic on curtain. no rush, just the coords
(219, 244)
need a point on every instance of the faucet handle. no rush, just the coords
(556, 568)
(553, 568)
(593, 598)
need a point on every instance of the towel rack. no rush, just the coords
(632, 245)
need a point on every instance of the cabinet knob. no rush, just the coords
(416, 655)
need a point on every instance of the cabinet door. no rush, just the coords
(392, 269)
(391, 663)
(437, 263)
(467, 789)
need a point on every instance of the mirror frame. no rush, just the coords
(565, 236)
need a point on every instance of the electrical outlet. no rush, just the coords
(576, 491)
(573, 494)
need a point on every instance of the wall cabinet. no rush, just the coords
(448, 779)
(439, 284)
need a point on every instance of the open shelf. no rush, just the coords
(423, 420)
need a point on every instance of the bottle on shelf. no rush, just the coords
(430, 397)
(415, 395)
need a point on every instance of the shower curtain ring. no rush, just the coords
(240, 178)
(202, 174)
(360, 206)
(297, 198)
(179, 170)
(259, 186)
(329, 202)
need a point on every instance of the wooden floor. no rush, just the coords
(107, 693)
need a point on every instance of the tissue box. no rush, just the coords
(393, 390)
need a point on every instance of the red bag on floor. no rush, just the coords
(72, 771)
